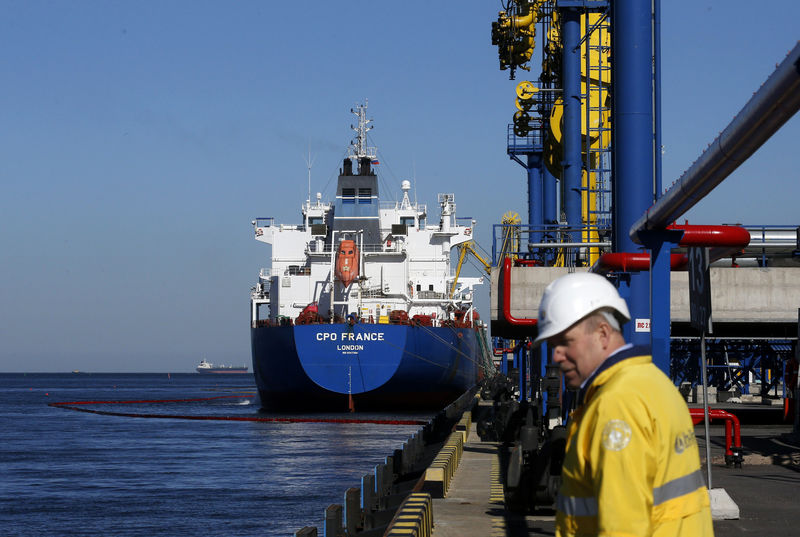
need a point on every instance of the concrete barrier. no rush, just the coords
(414, 517)
(464, 424)
(744, 294)
(444, 465)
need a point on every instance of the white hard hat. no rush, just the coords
(572, 297)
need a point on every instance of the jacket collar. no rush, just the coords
(622, 354)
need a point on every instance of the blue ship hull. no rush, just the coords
(381, 366)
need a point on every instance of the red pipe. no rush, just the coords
(731, 422)
(506, 274)
(723, 240)
(627, 262)
(729, 236)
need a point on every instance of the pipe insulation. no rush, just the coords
(770, 107)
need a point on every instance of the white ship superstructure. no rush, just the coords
(403, 262)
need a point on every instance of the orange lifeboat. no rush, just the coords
(347, 262)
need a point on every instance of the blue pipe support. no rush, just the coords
(550, 197)
(657, 93)
(544, 358)
(541, 355)
(633, 116)
(535, 196)
(633, 140)
(623, 282)
(520, 362)
(660, 244)
(550, 202)
(768, 109)
(571, 129)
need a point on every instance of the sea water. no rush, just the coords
(64, 472)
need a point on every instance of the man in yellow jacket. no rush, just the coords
(632, 466)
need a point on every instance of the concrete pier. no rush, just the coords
(764, 488)
(474, 504)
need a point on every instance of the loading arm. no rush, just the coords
(463, 249)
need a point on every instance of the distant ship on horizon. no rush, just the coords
(207, 367)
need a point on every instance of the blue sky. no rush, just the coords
(139, 139)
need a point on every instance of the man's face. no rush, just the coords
(577, 352)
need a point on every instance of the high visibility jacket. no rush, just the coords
(632, 465)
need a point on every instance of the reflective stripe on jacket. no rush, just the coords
(632, 466)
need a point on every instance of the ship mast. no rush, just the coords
(309, 164)
(358, 147)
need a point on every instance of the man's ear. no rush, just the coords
(604, 332)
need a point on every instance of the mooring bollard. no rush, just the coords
(389, 475)
(413, 446)
(308, 531)
(405, 457)
(380, 486)
(352, 511)
(333, 521)
(419, 448)
(398, 458)
(368, 501)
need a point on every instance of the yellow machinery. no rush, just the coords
(514, 34)
(510, 243)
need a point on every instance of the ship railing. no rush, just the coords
(264, 221)
(550, 245)
(297, 270)
(269, 221)
(282, 227)
(431, 295)
(531, 142)
(263, 284)
(418, 296)
(375, 292)
(392, 245)
(315, 247)
(292, 270)
(397, 205)
(259, 292)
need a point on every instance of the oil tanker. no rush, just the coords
(359, 309)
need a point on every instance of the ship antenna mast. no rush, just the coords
(358, 147)
(309, 164)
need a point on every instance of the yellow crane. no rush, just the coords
(468, 248)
